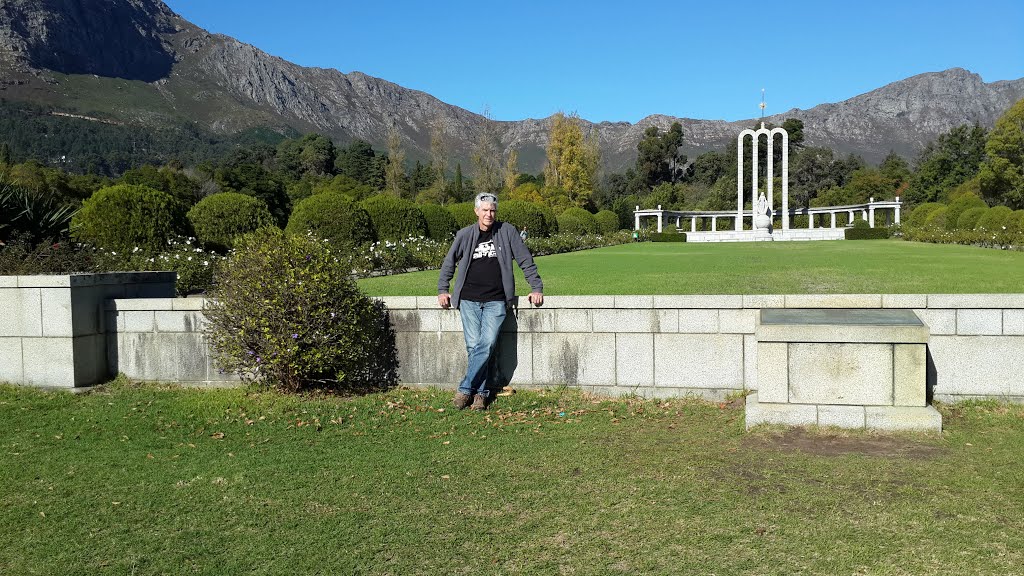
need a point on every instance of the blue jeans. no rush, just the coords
(481, 322)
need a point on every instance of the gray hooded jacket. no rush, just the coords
(510, 247)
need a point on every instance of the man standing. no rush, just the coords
(484, 289)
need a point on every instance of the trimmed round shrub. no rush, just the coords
(607, 221)
(969, 218)
(937, 219)
(1015, 222)
(524, 215)
(286, 313)
(332, 216)
(441, 224)
(550, 220)
(463, 213)
(961, 205)
(920, 214)
(577, 221)
(394, 218)
(125, 217)
(219, 218)
(994, 219)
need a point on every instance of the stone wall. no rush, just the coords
(704, 345)
(52, 328)
(655, 346)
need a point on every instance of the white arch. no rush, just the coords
(755, 137)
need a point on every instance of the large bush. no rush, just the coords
(332, 216)
(1015, 222)
(219, 218)
(918, 215)
(441, 224)
(937, 218)
(994, 219)
(524, 215)
(577, 221)
(125, 217)
(969, 218)
(607, 221)
(463, 213)
(550, 220)
(959, 206)
(286, 313)
(394, 218)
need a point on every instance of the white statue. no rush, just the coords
(762, 214)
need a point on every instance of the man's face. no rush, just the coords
(485, 215)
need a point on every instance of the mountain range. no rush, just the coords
(137, 63)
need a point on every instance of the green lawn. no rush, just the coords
(145, 480)
(850, 266)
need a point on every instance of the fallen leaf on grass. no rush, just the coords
(445, 477)
(217, 435)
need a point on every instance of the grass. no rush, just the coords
(852, 266)
(146, 480)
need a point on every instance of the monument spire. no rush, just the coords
(762, 105)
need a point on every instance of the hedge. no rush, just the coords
(969, 218)
(219, 218)
(394, 218)
(463, 213)
(959, 206)
(607, 221)
(524, 215)
(126, 216)
(667, 236)
(994, 219)
(332, 216)
(441, 225)
(577, 221)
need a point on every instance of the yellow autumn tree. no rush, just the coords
(572, 159)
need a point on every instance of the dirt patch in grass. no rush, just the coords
(833, 444)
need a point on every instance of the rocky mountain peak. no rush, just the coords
(113, 38)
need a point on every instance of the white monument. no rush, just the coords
(764, 208)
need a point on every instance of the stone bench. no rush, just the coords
(849, 368)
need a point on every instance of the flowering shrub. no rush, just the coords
(286, 313)
(19, 256)
(195, 266)
(1004, 238)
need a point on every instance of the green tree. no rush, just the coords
(359, 162)
(946, 162)
(1002, 172)
(659, 158)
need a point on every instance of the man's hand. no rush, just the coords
(444, 300)
(536, 298)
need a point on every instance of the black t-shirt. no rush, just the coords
(483, 280)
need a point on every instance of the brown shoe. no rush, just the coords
(479, 403)
(461, 400)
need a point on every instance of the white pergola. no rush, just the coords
(864, 211)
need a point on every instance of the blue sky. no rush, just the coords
(616, 60)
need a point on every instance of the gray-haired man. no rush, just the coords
(484, 288)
